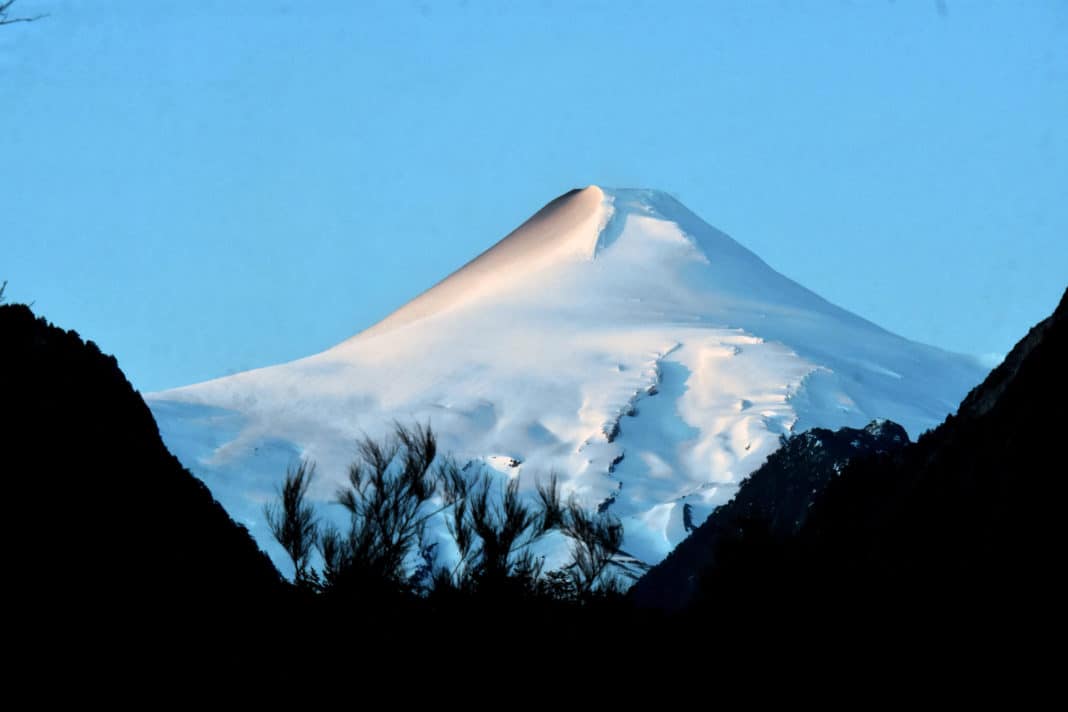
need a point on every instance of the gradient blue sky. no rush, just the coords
(205, 187)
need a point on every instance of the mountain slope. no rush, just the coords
(965, 524)
(615, 338)
(779, 495)
(100, 518)
(977, 495)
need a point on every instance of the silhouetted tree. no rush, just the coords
(596, 559)
(397, 485)
(388, 499)
(292, 520)
(494, 533)
(7, 19)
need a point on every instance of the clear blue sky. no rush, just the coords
(204, 187)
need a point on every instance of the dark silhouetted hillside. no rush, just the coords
(101, 520)
(777, 496)
(965, 525)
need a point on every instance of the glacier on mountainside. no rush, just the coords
(614, 338)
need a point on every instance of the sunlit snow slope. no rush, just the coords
(614, 338)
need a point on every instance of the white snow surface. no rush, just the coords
(615, 338)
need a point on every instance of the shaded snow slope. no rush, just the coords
(615, 338)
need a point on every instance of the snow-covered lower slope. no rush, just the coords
(615, 338)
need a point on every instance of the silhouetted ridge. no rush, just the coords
(984, 396)
(106, 520)
(963, 526)
(779, 495)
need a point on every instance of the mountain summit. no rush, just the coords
(614, 338)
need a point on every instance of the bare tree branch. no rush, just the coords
(6, 19)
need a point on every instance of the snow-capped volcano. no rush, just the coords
(614, 338)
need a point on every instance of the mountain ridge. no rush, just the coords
(961, 527)
(779, 495)
(108, 520)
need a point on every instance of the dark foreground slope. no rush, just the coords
(100, 518)
(777, 498)
(965, 525)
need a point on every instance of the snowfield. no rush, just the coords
(614, 338)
